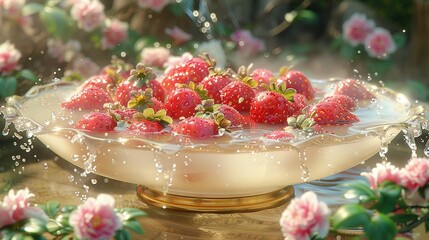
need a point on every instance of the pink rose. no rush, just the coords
(154, 57)
(247, 44)
(178, 35)
(9, 57)
(89, 14)
(357, 28)
(380, 43)
(156, 5)
(85, 66)
(305, 217)
(12, 8)
(415, 174)
(382, 172)
(96, 218)
(63, 52)
(114, 33)
(16, 207)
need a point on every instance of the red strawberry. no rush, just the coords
(238, 95)
(117, 68)
(141, 78)
(332, 113)
(181, 103)
(145, 126)
(96, 122)
(345, 101)
(280, 135)
(232, 115)
(88, 99)
(194, 70)
(270, 107)
(262, 76)
(98, 81)
(354, 89)
(299, 103)
(143, 99)
(214, 83)
(298, 81)
(197, 127)
(125, 114)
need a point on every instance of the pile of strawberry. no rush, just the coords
(196, 99)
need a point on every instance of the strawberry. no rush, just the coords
(298, 81)
(88, 99)
(117, 69)
(224, 115)
(125, 114)
(270, 107)
(141, 78)
(145, 126)
(143, 99)
(194, 70)
(96, 122)
(197, 127)
(232, 115)
(98, 81)
(279, 135)
(214, 83)
(262, 76)
(343, 100)
(238, 95)
(299, 103)
(331, 113)
(354, 89)
(182, 102)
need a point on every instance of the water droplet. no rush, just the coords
(94, 181)
(45, 166)
(71, 178)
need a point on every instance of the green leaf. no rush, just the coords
(403, 218)
(51, 208)
(350, 216)
(31, 8)
(34, 226)
(361, 190)
(307, 16)
(131, 213)
(134, 226)
(52, 226)
(380, 227)
(389, 197)
(56, 22)
(27, 74)
(8, 86)
(400, 39)
(122, 234)
(348, 51)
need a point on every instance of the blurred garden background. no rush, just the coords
(382, 41)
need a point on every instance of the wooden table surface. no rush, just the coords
(52, 178)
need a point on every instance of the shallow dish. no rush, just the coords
(211, 175)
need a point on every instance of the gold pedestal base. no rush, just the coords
(215, 205)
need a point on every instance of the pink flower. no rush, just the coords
(305, 217)
(247, 44)
(156, 5)
(16, 207)
(382, 172)
(96, 218)
(154, 57)
(178, 35)
(85, 66)
(357, 28)
(415, 174)
(114, 33)
(63, 52)
(9, 57)
(89, 14)
(12, 8)
(380, 43)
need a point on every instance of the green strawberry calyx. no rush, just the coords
(141, 100)
(208, 109)
(301, 122)
(198, 88)
(150, 114)
(141, 75)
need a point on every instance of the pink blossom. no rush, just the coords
(114, 33)
(16, 207)
(154, 57)
(85, 66)
(156, 5)
(357, 28)
(380, 43)
(9, 57)
(247, 43)
(415, 174)
(63, 52)
(178, 35)
(96, 218)
(305, 217)
(382, 172)
(12, 8)
(89, 14)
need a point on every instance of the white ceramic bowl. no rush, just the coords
(237, 165)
